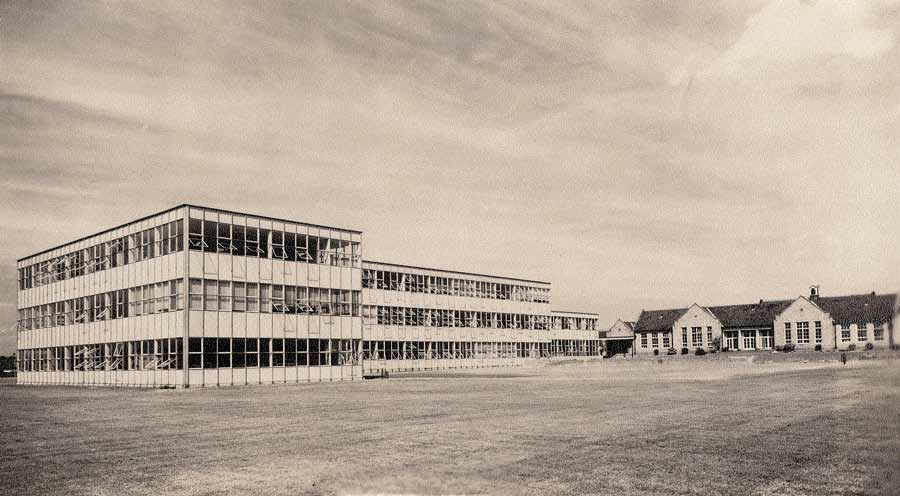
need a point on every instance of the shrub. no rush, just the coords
(778, 347)
(870, 346)
(685, 351)
(699, 352)
(725, 349)
(672, 351)
(655, 352)
(852, 347)
(788, 347)
(818, 347)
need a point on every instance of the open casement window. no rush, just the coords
(290, 246)
(254, 248)
(195, 235)
(239, 241)
(278, 299)
(223, 238)
(323, 251)
(368, 279)
(278, 245)
(210, 236)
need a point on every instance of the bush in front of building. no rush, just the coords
(699, 352)
(672, 351)
(655, 352)
(789, 347)
(685, 351)
(852, 347)
(818, 347)
(870, 346)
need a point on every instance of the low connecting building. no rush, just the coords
(807, 323)
(195, 296)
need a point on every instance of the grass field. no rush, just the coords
(717, 426)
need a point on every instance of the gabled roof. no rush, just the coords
(760, 314)
(658, 320)
(858, 309)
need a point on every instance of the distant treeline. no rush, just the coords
(8, 362)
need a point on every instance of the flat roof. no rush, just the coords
(576, 313)
(456, 272)
(183, 205)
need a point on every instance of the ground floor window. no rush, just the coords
(655, 340)
(767, 339)
(879, 334)
(750, 339)
(845, 334)
(731, 340)
(643, 340)
(666, 340)
(697, 337)
(818, 331)
(787, 333)
(802, 332)
(862, 333)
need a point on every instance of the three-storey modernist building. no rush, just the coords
(195, 296)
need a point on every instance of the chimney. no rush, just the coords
(814, 291)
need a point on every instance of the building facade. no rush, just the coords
(196, 296)
(417, 318)
(619, 338)
(806, 323)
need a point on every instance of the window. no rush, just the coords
(252, 297)
(210, 240)
(802, 332)
(666, 340)
(697, 337)
(787, 333)
(210, 295)
(749, 339)
(655, 340)
(643, 340)
(879, 333)
(709, 335)
(845, 334)
(684, 337)
(195, 234)
(240, 297)
(862, 332)
(195, 348)
(196, 294)
(210, 352)
(818, 331)
(224, 296)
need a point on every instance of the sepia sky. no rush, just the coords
(636, 154)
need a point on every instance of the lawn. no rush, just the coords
(723, 425)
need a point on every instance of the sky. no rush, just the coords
(638, 155)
